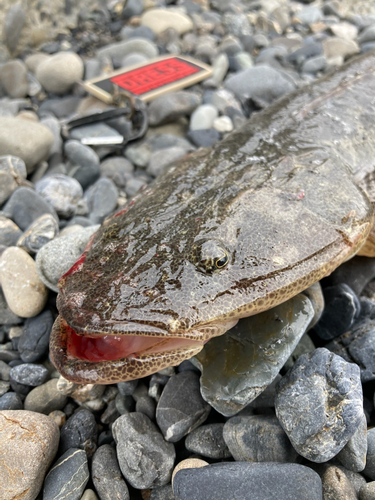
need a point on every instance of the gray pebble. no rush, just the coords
(203, 117)
(370, 458)
(68, 477)
(25, 206)
(118, 169)
(45, 398)
(124, 404)
(133, 186)
(12, 173)
(181, 407)
(101, 199)
(13, 24)
(261, 84)
(353, 455)
(162, 158)
(133, 59)
(310, 15)
(208, 441)
(367, 492)
(61, 106)
(314, 64)
(33, 342)
(117, 51)
(169, 107)
(43, 230)
(367, 35)
(86, 160)
(62, 192)
(58, 256)
(336, 486)
(9, 232)
(106, 475)
(204, 138)
(110, 414)
(220, 68)
(4, 371)
(162, 493)
(327, 404)
(145, 458)
(79, 431)
(29, 374)
(259, 438)
(4, 387)
(13, 78)
(127, 388)
(11, 401)
(146, 405)
(60, 72)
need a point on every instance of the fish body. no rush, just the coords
(224, 234)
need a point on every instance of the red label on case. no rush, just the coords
(155, 75)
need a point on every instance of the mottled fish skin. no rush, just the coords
(276, 196)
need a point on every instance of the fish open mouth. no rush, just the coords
(110, 358)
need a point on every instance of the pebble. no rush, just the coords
(45, 398)
(33, 60)
(223, 124)
(25, 206)
(61, 107)
(60, 72)
(127, 388)
(4, 387)
(367, 492)
(162, 158)
(336, 486)
(314, 64)
(13, 25)
(203, 117)
(220, 68)
(342, 308)
(353, 455)
(9, 232)
(262, 84)
(170, 107)
(85, 160)
(367, 35)
(68, 477)
(369, 470)
(335, 46)
(356, 273)
(248, 481)
(117, 51)
(132, 8)
(346, 30)
(208, 441)
(12, 174)
(181, 407)
(11, 401)
(62, 192)
(29, 441)
(159, 20)
(118, 169)
(328, 404)
(204, 138)
(145, 458)
(40, 232)
(89, 495)
(101, 199)
(237, 366)
(13, 78)
(258, 438)
(27, 140)
(56, 257)
(79, 431)
(146, 405)
(34, 339)
(25, 294)
(30, 374)
(162, 493)
(106, 475)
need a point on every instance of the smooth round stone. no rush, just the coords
(25, 206)
(223, 99)
(124, 404)
(353, 455)
(220, 68)
(336, 486)
(87, 161)
(13, 78)
(208, 441)
(11, 401)
(369, 470)
(117, 51)
(60, 72)
(367, 492)
(33, 60)
(39, 233)
(231, 45)
(237, 24)
(127, 388)
(259, 438)
(262, 84)
(181, 407)
(12, 173)
(204, 138)
(27, 140)
(132, 8)
(106, 475)
(314, 64)
(159, 20)
(133, 60)
(9, 232)
(367, 35)
(101, 199)
(68, 476)
(4, 387)
(33, 342)
(203, 117)
(13, 24)
(310, 15)
(169, 107)
(24, 292)
(145, 458)
(147, 406)
(162, 493)
(62, 192)
(30, 374)
(4, 371)
(346, 30)
(61, 106)
(56, 257)
(133, 186)
(310, 48)
(264, 481)
(45, 398)
(79, 431)
(29, 442)
(327, 404)
(335, 46)
(118, 169)
(162, 158)
(223, 124)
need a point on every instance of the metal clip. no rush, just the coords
(127, 105)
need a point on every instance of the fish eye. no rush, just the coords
(210, 256)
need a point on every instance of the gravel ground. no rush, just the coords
(127, 440)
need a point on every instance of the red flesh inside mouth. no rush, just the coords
(113, 347)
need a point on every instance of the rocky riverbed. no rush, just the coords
(297, 423)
